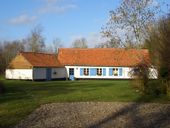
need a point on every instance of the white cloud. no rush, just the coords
(55, 6)
(48, 6)
(22, 19)
(56, 9)
(52, 1)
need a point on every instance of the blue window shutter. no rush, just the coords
(104, 71)
(93, 71)
(81, 71)
(120, 71)
(110, 71)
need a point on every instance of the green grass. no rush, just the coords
(22, 97)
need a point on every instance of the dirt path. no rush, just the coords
(99, 115)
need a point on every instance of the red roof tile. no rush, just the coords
(102, 56)
(88, 57)
(41, 59)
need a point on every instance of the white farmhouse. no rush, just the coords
(76, 63)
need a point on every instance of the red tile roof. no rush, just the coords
(41, 59)
(102, 56)
(88, 57)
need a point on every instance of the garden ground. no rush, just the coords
(23, 97)
(99, 115)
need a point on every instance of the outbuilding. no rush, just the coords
(35, 66)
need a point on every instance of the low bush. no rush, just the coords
(156, 88)
(152, 87)
(141, 77)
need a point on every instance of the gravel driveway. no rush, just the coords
(99, 115)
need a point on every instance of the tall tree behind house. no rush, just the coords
(129, 23)
(35, 42)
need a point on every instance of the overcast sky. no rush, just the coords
(64, 19)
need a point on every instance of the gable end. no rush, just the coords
(20, 62)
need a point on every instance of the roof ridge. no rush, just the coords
(38, 59)
(39, 53)
(103, 48)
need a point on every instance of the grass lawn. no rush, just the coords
(22, 97)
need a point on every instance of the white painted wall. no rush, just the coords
(58, 73)
(25, 74)
(77, 73)
(39, 73)
(125, 73)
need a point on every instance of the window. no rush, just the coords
(86, 71)
(99, 71)
(115, 71)
(71, 71)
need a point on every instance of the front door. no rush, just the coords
(48, 74)
(71, 73)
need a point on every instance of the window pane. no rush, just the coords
(99, 71)
(86, 71)
(115, 71)
(71, 71)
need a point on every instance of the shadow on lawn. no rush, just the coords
(21, 90)
(28, 90)
(32, 90)
(153, 116)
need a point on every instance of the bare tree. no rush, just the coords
(8, 50)
(53, 48)
(80, 43)
(129, 23)
(112, 43)
(2, 88)
(35, 42)
(2, 59)
(56, 44)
